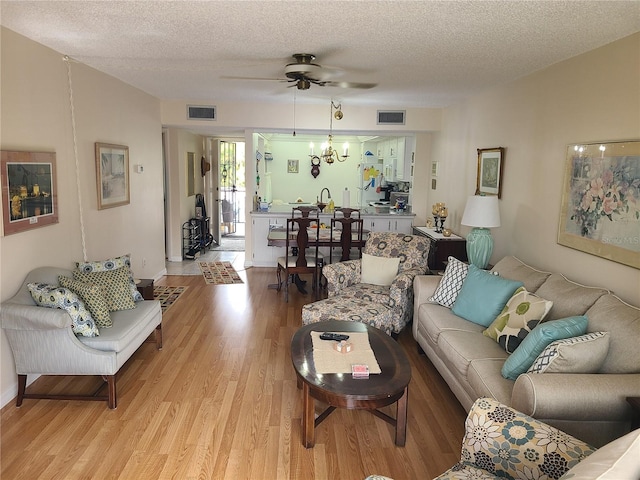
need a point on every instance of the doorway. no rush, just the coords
(231, 195)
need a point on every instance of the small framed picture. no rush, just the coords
(490, 166)
(112, 175)
(292, 166)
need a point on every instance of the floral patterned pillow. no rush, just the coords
(53, 296)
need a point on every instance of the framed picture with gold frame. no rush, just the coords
(490, 167)
(112, 175)
(29, 190)
(599, 213)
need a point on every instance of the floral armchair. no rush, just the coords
(500, 442)
(344, 278)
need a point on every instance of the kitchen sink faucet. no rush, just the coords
(322, 191)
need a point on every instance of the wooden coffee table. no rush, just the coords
(341, 390)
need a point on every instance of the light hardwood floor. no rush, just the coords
(220, 402)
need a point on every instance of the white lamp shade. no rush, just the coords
(481, 211)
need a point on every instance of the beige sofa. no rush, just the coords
(592, 406)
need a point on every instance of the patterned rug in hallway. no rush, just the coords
(218, 273)
(167, 295)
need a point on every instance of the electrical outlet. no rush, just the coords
(144, 262)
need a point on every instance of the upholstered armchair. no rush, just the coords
(500, 442)
(344, 279)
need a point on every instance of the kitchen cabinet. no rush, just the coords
(391, 223)
(404, 160)
(264, 255)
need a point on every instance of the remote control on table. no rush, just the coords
(338, 337)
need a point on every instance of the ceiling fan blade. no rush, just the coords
(257, 78)
(348, 84)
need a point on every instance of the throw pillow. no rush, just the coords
(378, 270)
(112, 264)
(115, 285)
(483, 296)
(539, 338)
(520, 315)
(52, 296)
(583, 354)
(451, 283)
(92, 297)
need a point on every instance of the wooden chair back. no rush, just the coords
(350, 236)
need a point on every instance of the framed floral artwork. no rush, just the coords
(112, 175)
(600, 211)
(489, 179)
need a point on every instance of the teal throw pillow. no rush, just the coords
(483, 296)
(540, 337)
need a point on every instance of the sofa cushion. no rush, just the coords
(92, 297)
(378, 270)
(569, 298)
(624, 331)
(451, 283)
(485, 379)
(413, 250)
(112, 264)
(483, 296)
(458, 349)
(53, 296)
(127, 325)
(434, 319)
(515, 269)
(583, 354)
(520, 315)
(115, 285)
(539, 338)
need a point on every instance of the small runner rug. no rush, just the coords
(218, 273)
(167, 295)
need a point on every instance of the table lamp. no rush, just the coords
(482, 213)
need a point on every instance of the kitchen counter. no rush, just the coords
(364, 211)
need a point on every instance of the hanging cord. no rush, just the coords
(68, 61)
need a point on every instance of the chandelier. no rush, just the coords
(328, 154)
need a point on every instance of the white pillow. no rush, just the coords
(378, 270)
(451, 283)
(617, 460)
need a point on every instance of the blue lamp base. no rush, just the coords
(479, 247)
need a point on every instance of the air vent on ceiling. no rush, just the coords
(200, 112)
(391, 117)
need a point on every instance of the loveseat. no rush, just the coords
(43, 341)
(591, 406)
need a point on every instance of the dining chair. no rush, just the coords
(301, 254)
(304, 211)
(351, 230)
(346, 212)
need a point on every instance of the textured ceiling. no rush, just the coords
(420, 53)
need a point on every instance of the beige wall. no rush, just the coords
(35, 115)
(590, 98)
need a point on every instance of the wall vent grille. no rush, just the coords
(201, 112)
(391, 117)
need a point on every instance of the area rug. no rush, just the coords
(167, 295)
(218, 273)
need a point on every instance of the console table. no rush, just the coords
(442, 247)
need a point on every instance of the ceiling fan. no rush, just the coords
(303, 72)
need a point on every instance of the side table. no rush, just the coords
(442, 247)
(145, 287)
